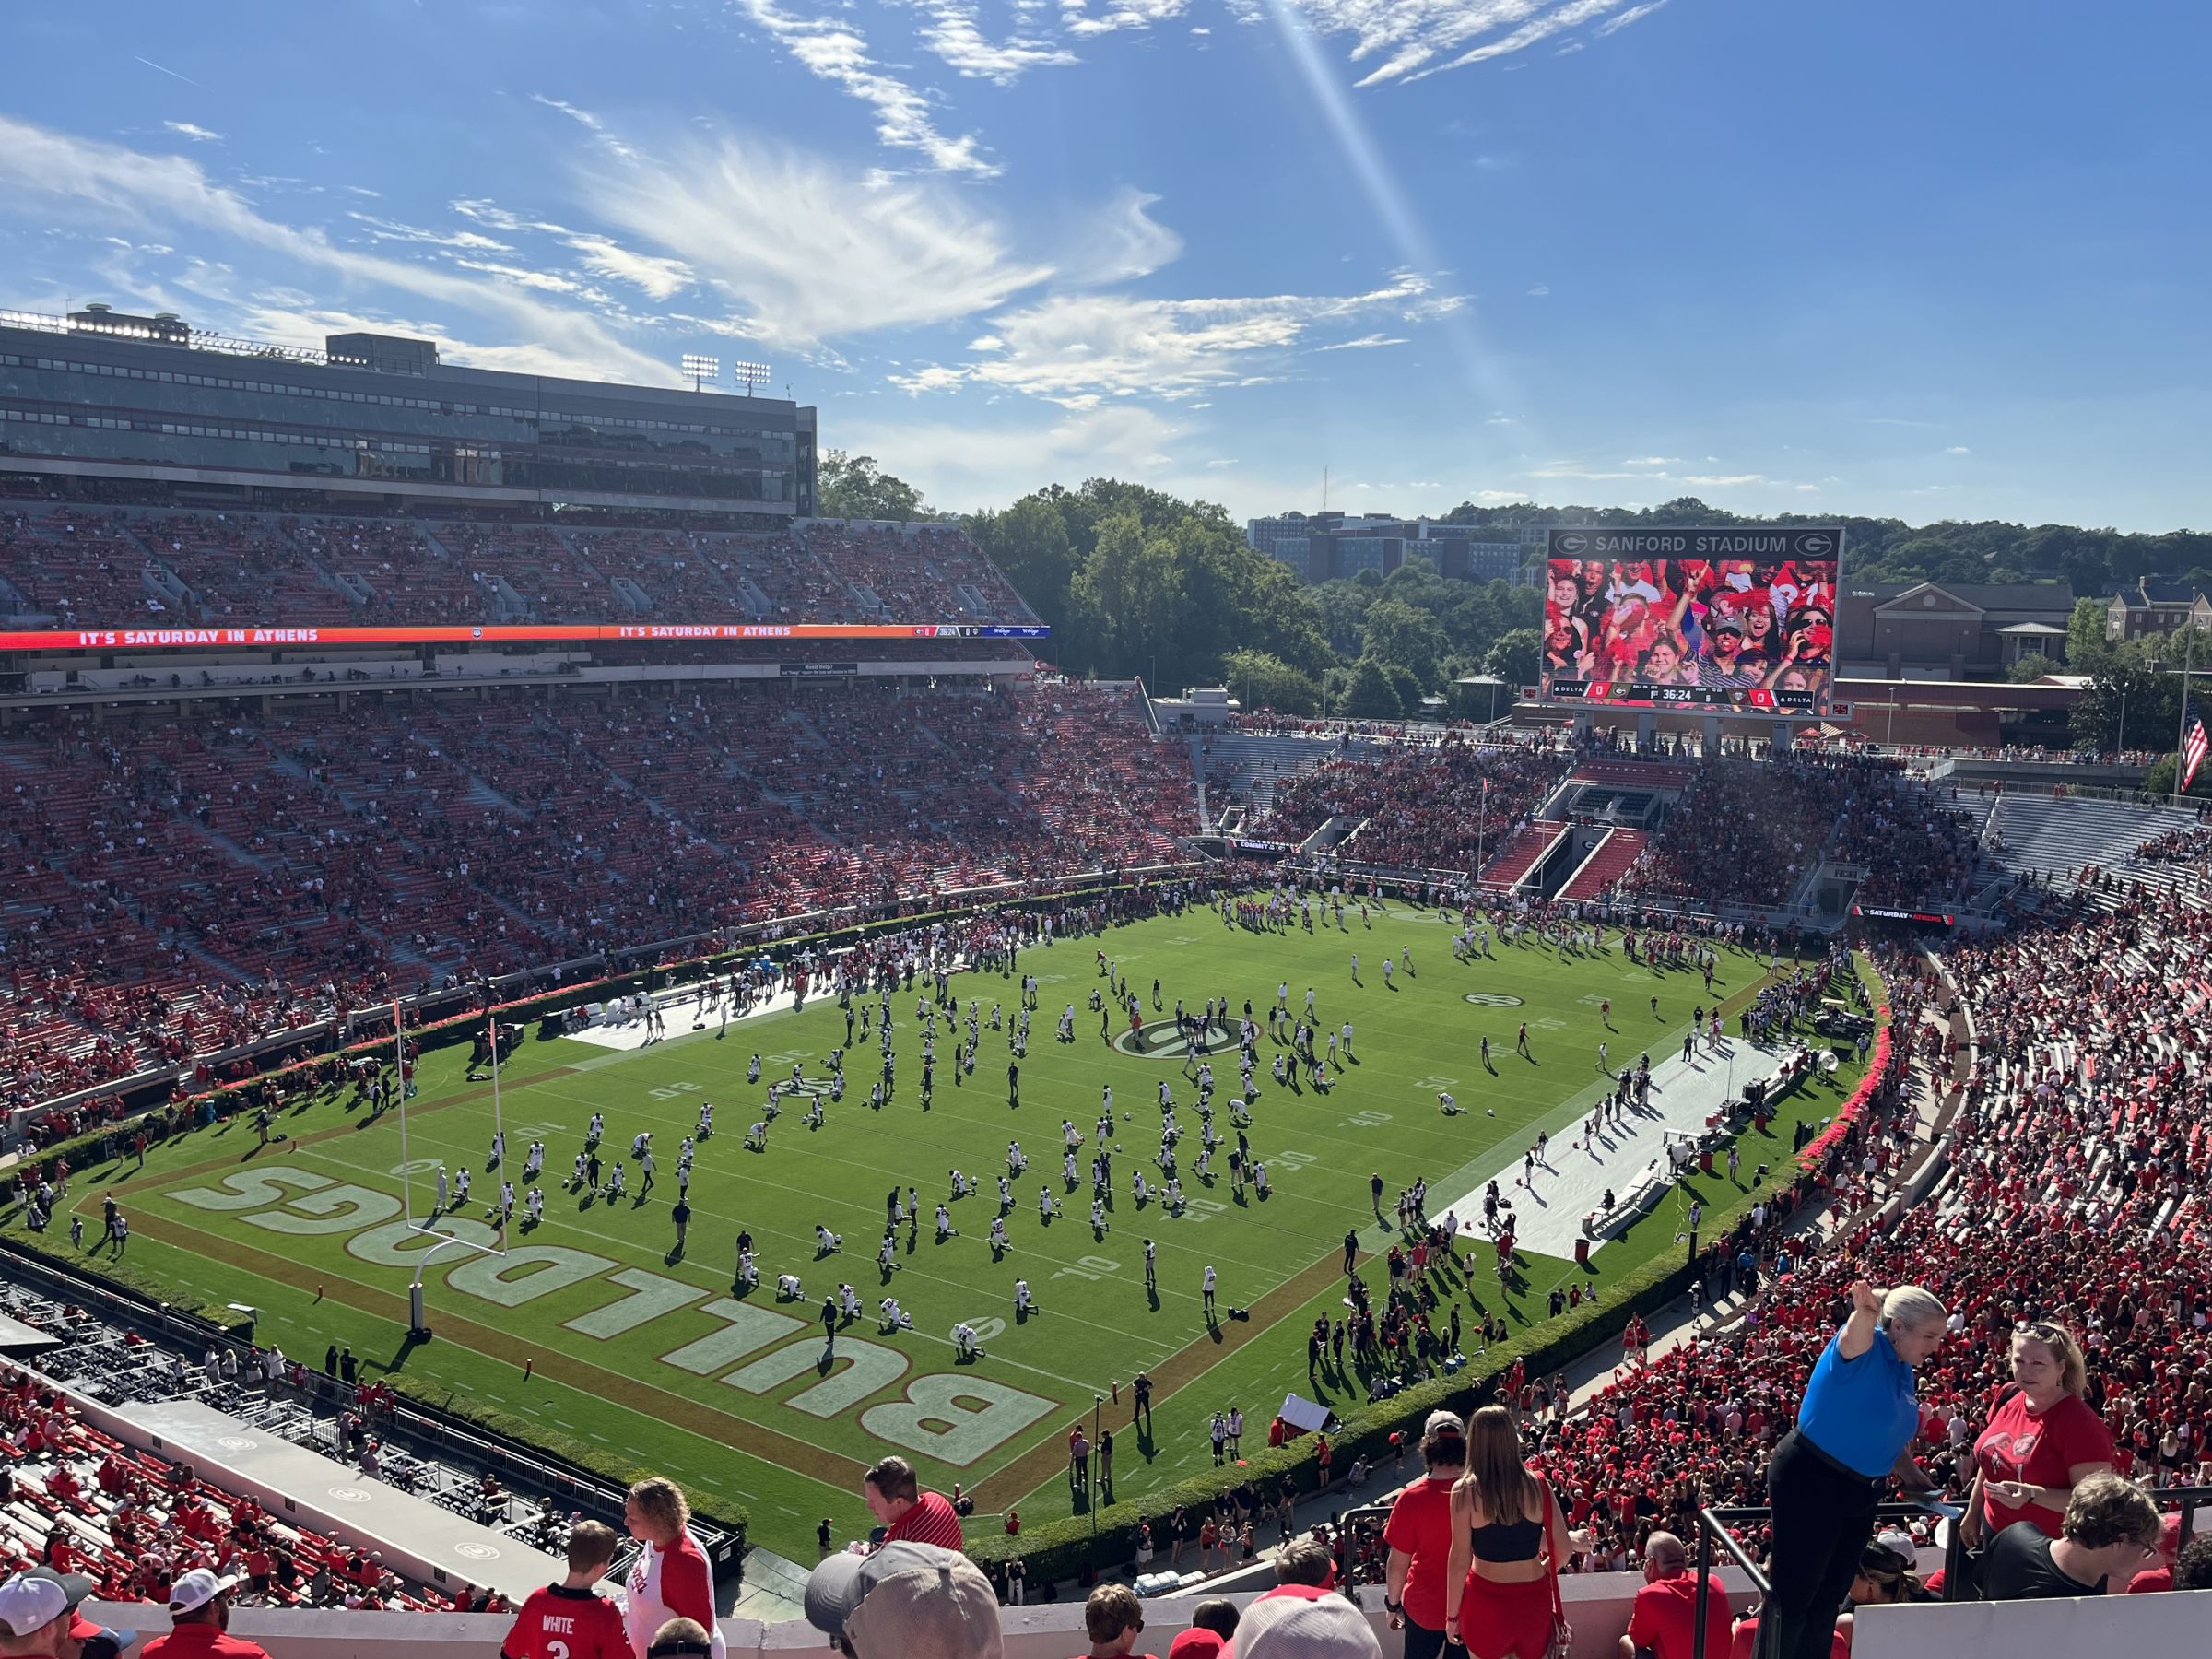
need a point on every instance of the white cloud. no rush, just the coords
(1078, 18)
(961, 466)
(1538, 292)
(800, 252)
(659, 277)
(838, 52)
(1409, 40)
(1501, 494)
(1364, 343)
(1635, 14)
(1121, 242)
(1957, 448)
(1222, 461)
(1650, 460)
(192, 130)
(1723, 480)
(46, 172)
(384, 229)
(1080, 349)
(954, 35)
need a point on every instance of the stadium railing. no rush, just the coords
(1714, 1524)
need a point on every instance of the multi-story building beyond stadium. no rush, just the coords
(375, 419)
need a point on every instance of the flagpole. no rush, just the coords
(2181, 738)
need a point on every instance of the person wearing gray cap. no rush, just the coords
(906, 1601)
(1419, 1536)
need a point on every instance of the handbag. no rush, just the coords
(1562, 1633)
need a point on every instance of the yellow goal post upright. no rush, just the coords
(458, 1231)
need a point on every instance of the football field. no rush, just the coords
(652, 1355)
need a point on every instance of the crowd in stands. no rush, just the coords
(107, 566)
(78, 1500)
(2075, 1220)
(1753, 829)
(1445, 806)
(186, 883)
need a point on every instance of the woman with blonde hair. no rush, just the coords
(670, 1579)
(1508, 1541)
(2042, 1438)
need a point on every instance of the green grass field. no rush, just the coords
(649, 1354)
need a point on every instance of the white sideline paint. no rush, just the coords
(1571, 1182)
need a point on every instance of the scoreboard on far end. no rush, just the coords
(1739, 617)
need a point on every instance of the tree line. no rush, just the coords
(1134, 581)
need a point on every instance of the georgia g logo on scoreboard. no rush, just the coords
(1572, 542)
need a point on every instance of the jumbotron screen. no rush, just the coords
(1736, 619)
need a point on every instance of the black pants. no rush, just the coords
(1823, 1518)
(1421, 1642)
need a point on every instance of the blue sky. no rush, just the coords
(1943, 258)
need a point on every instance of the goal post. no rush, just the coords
(441, 1207)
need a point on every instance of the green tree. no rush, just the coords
(1517, 658)
(1408, 687)
(856, 487)
(1260, 680)
(2148, 702)
(1028, 541)
(2158, 779)
(1371, 696)
(2029, 668)
(2088, 649)
(1399, 632)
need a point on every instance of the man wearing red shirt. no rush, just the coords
(1665, 1617)
(907, 1513)
(570, 1619)
(199, 1612)
(1419, 1537)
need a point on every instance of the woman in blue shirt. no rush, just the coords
(1858, 1416)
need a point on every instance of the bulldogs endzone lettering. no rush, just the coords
(954, 1417)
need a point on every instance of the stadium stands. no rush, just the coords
(112, 566)
(1608, 861)
(1428, 807)
(188, 882)
(1521, 853)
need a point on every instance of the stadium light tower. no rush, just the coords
(699, 370)
(751, 376)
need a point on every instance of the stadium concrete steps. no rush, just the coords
(2061, 834)
(1521, 853)
(1607, 863)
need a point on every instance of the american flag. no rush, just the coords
(2194, 746)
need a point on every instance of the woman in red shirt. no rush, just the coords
(1419, 1536)
(2041, 1441)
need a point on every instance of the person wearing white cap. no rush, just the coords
(199, 1614)
(906, 1601)
(34, 1618)
(1303, 1627)
(39, 1616)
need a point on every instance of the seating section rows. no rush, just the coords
(89, 566)
(182, 884)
